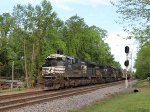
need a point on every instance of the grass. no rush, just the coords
(7, 91)
(133, 102)
(142, 84)
(126, 102)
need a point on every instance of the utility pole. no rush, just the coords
(126, 81)
(131, 69)
(131, 66)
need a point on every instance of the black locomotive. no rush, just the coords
(60, 71)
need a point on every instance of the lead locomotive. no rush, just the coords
(60, 71)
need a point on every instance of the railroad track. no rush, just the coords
(22, 94)
(8, 102)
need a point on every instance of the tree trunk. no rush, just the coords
(33, 54)
(25, 64)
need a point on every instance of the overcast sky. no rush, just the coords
(95, 12)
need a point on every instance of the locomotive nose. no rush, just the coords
(51, 70)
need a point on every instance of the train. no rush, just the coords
(63, 71)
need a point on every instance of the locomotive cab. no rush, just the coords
(54, 64)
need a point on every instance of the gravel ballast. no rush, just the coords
(72, 102)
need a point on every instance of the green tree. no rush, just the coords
(143, 61)
(6, 26)
(87, 43)
(136, 14)
(72, 34)
(43, 29)
(31, 33)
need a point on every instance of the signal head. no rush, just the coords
(126, 63)
(127, 49)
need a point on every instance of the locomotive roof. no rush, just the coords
(102, 66)
(56, 56)
(91, 63)
(69, 57)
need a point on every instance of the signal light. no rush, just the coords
(126, 63)
(127, 49)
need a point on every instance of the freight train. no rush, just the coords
(61, 71)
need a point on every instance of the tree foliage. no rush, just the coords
(136, 14)
(31, 33)
(6, 25)
(86, 42)
(143, 61)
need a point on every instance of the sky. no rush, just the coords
(95, 12)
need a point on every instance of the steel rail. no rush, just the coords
(16, 103)
(20, 94)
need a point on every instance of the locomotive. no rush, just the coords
(61, 71)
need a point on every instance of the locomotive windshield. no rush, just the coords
(54, 62)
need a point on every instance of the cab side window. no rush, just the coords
(69, 61)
